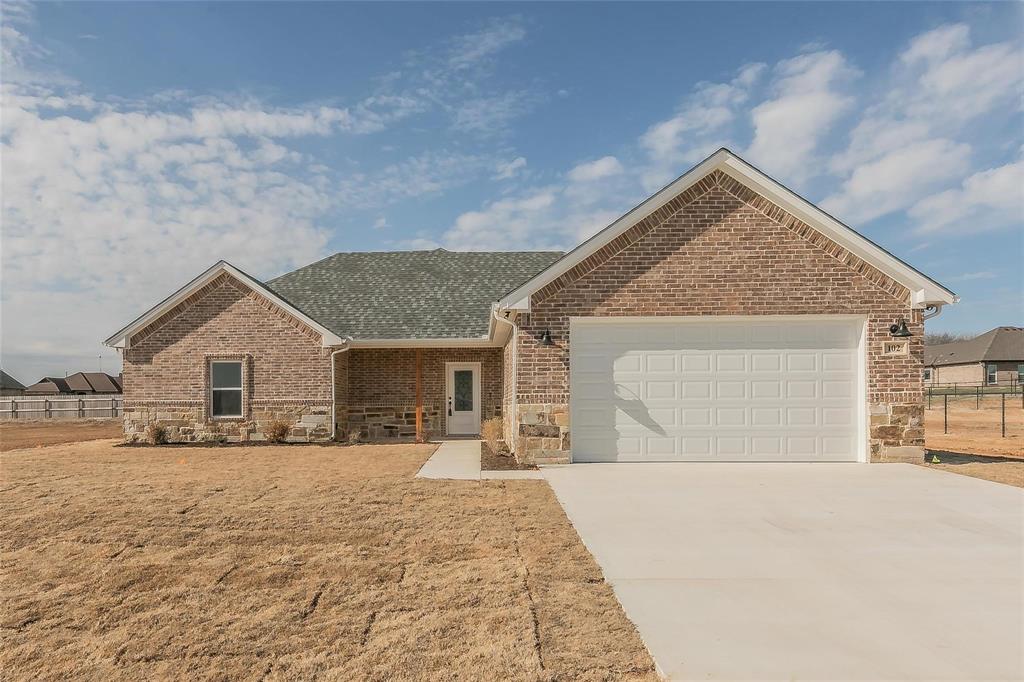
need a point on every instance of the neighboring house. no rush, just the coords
(994, 358)
(79, 383)
(725, 318)
(9, 385)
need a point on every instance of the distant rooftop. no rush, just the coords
(1002, 344)
(9, 382)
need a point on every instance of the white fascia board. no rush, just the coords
(121, 338)
(480, 342)
(924, 290)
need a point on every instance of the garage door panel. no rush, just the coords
(730, 389)
(733, 391)
(731, 362)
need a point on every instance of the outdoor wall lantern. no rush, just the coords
(899, 329)
(545, 338)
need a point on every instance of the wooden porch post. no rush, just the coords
(419, 396)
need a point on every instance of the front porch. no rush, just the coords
(383, 393)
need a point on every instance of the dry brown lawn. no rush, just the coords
(15, 435)
(999, 469)
(976, 432)
(293, 562)
(974, 445)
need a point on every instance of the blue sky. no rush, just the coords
(144, 141)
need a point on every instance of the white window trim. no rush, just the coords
(240, 389)
(927, 373)
(991, 374)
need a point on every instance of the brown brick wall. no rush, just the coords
(382, 388)
(719, 249)
(286, 371)
(974, 374)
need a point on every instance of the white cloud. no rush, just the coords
(459, 78)
(109, 203)
(971, 276)
(491, 115)
(509, 169)
(380, 223)
(892, 182)
(595, 170)
(425, 174)
(698, 128)
(940, 84)
(469, 50)
(515, 221)
(987, 200)
(808, 99)
(937, 44)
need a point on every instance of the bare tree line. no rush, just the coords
(936, 338)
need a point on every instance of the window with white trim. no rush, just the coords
(1020, 374)
(990, 375)
(225, 388)
(927, 373)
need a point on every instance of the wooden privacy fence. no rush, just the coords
(65, 407)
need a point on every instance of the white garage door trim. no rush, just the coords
(857, 326)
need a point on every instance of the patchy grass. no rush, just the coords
(293, 563)
(15, 435)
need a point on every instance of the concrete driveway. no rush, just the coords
(809, 571)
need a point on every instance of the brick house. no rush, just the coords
(724, 318)
(995, 358)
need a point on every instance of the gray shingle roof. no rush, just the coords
(408, 294)
(7, 381)
(999, 344)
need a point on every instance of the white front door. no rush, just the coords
(462, 397)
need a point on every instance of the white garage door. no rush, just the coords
(728, 389)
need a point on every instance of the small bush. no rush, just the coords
(277, 431)
(354, 437)
(492, 431)
(156, 434)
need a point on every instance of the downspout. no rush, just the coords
(514, 340)
(334, 388)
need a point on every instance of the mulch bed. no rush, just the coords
(503, 461)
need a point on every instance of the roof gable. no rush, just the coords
(7, 381)
(122, 337)
(923, 290)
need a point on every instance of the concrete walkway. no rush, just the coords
(808, 571)
(459, 460)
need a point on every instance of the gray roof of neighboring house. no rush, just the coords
(79, 382)
(7, 381)
(435, 294)
(1002, 344)
(49, 385)
(93, 382)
